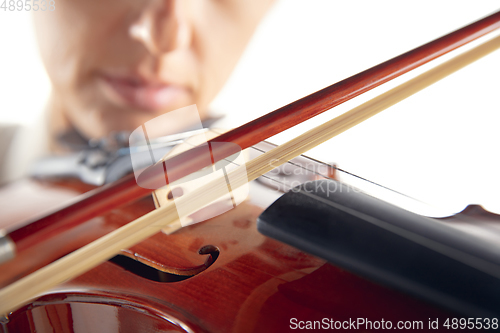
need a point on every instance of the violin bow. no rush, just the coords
(104, 248)
(103, 199)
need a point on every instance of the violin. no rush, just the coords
(219, 275)
(176, 282)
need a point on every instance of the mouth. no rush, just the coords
(142, 94)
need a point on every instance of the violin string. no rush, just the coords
(343, 171)
(307, 169)
(366, 180)
(268, 177)
(326, 176)
(303, 168)
(288, 187)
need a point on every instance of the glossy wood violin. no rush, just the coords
(157, 279)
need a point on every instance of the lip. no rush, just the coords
(140, 93)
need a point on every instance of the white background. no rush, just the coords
(439, 146)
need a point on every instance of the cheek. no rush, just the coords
(222, 30)
(77, 38)
(57, 45)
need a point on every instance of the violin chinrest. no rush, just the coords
(422, 256)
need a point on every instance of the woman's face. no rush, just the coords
(114, 64)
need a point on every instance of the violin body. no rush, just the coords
(242, 281)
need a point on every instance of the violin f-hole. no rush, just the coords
(166, 275)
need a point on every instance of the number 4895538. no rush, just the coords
(471, 323)
(28, 5)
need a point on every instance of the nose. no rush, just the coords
(161, 27)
